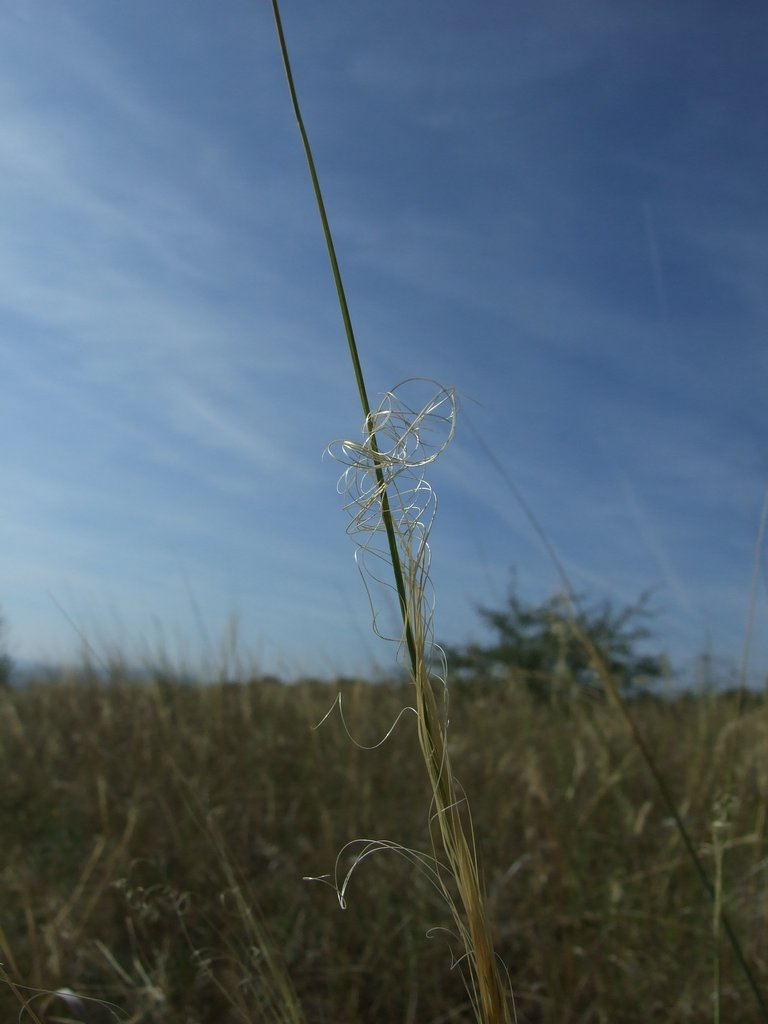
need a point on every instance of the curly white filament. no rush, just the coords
(400, 439)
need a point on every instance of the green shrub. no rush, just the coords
(544, 644)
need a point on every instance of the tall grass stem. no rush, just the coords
(354, 355)
(487, 990)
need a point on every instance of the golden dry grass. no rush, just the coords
(155, 836)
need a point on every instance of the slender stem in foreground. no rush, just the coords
(386, 512)
(487, 990)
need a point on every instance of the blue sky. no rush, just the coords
(558, 209)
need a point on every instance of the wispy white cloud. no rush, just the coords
(212, 427)
(169, 330)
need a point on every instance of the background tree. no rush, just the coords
(6, 664)
(544, 644)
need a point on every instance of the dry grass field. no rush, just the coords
(156, 837)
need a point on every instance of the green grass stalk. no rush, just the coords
(349, 331)
(487, 987)
(18, 992)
